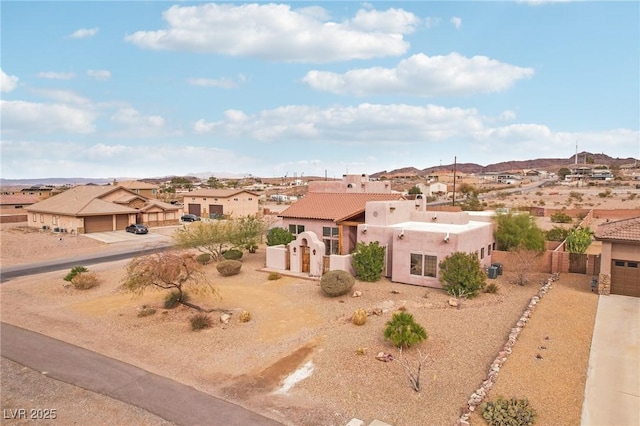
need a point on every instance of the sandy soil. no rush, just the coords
(295, 329)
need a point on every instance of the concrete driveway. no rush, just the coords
(110, 237)
(612, 391)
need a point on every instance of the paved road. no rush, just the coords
(163, 397)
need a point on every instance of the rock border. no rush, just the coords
(478, 396)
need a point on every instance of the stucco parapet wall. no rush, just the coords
(492, 376)
(440, 227)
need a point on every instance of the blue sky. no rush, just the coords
(149, 89)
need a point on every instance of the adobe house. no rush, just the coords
(415, 238)
(351, 184)
(418, 239)
(620, 259)
(213, 203)
(91, 208)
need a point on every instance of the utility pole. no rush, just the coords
(454, 179)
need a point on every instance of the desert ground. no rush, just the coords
(297, 333)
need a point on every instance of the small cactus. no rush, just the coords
(359, 317)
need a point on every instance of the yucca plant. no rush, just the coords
(403, 331)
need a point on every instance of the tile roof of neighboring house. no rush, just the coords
(135, 184)
(82, 200)
(622, 230)
(333, 205)
(220, 193)
(13, 199)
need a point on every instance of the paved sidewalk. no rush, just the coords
(163, 397)
(612, 391)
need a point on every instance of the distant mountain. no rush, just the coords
(547, 164)
(57, 181)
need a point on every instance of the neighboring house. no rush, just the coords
(433, 189)
(351, 184)
(90, 208)
(213, 203)
(42, 191)
(415, 239)
(145, 189)
(620, 261)
(11, 204)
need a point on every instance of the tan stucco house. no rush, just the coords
(213, 203)
(620, 259)
(90, 208)
(145, 189)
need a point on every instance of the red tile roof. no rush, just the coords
(333, 206)
(622, 230)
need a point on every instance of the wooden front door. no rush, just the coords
(578, 263)
(306, 259)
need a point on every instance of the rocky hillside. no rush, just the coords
(548, 164)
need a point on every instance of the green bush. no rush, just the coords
(226, 268)
(462, 275)
(200, 321)
(561, 217)
(368, 261)
(75, 271)
(579, 240)
(172, 299)
(203, 258)
(277, 236)
(274, 276)
(556, 233)
(232, 254)
(336, 283)
(508, 412)
(84, 280)
(403, 331)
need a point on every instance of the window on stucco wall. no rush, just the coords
(330, 240)
(423, 265)
(296, 229)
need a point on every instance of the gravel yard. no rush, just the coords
(296, 331)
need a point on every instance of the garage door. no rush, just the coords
(215, 211)
(98, 224)
(625, 278)
(122, 220)
(194, 209)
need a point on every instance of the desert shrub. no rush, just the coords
(541, 202)
(75, 271)
(274, 276)
(172, 299)
(232, 254)
(203, 258)
(403, 331)
(560, 217)
(462, 275)
(556, 233)
(84, 280)
(575, 195)
(514, 230)
(245, 316)
(226, 268)
(491, 288)
(359, 317)
(336, 283)
(368, 261)
(539, 193)
(277, 236)
(200, 321)
(505, 412)
(579, 240)
(604, 194)
(146, 311)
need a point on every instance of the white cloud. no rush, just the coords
(62, 96)
(99, 74)
(278, 33)
(542, 2)
(422, 75)
(457, 22)
(222, 83)
(84, 33)
(431, 22)
(134, 124)
(56, 75)
(7, 82)
(27, 117)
